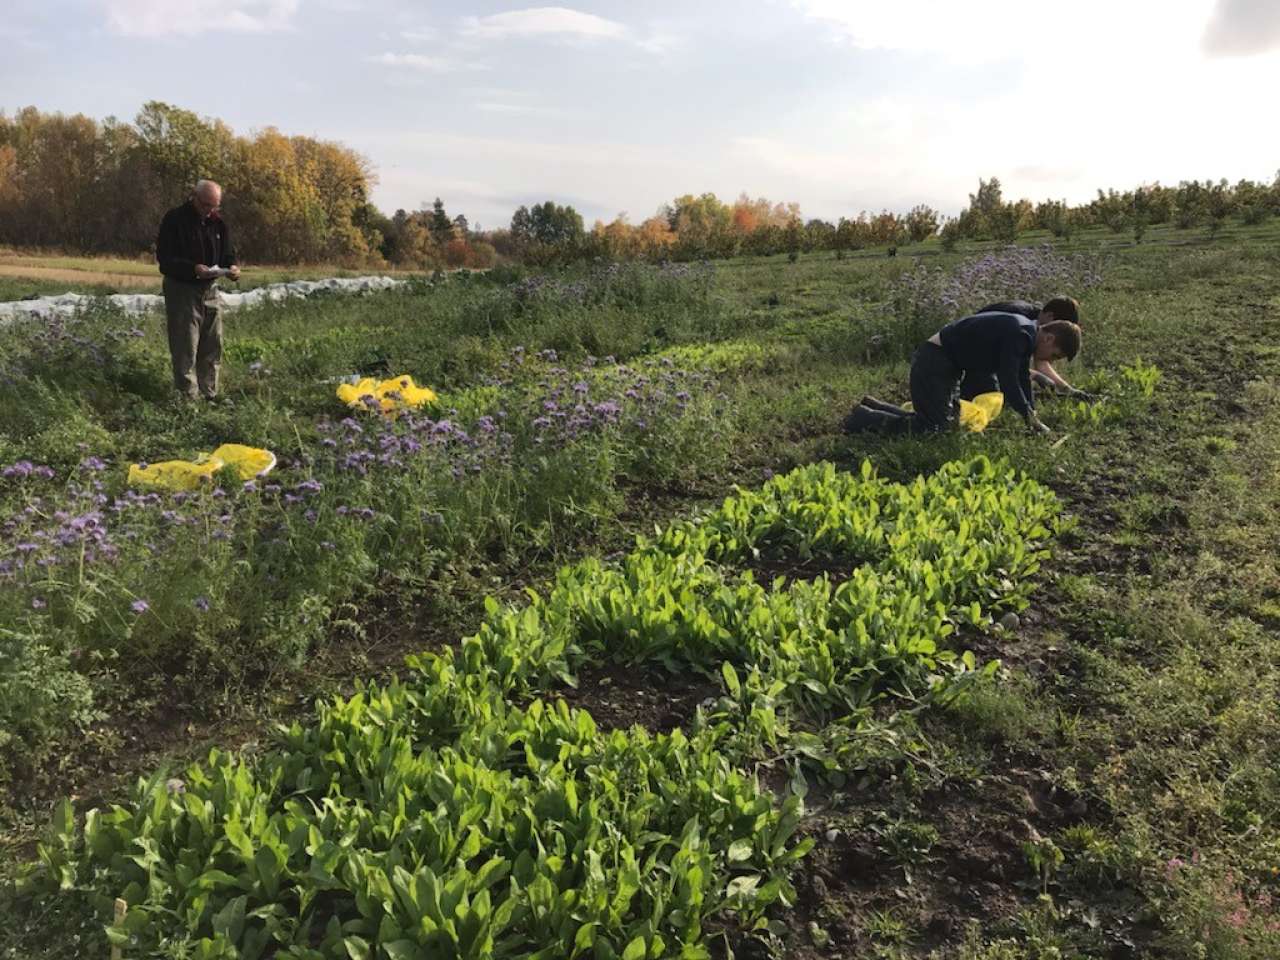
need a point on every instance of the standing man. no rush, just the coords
(193, 250)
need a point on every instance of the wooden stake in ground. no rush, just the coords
(121, 909)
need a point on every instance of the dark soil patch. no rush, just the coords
(766, 569)
(620, 695)
(859, 894)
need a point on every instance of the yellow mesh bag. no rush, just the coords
(398, 393)
(248, 462)
(175, 474)
(977, 414)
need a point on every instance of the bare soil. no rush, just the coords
(132, 281)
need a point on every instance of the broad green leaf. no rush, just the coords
(739, 850)
(402, 950)
(730, 679)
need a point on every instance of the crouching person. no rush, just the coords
(1002, 346)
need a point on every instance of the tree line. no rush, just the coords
(1192, 203)
(73, 183)
(77, 184)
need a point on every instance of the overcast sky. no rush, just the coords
(841, 105)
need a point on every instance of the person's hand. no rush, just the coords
(202, 272)
(1036, 425)
(1084, 395)
(235, 272)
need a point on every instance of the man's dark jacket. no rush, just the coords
(1021, 307)
(186, 239)
(1002, 344)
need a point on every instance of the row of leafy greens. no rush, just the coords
(471, 812)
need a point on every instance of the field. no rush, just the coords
(622, 649)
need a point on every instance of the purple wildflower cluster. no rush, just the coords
(80, 526)
(937, 296)
(58, 528)
(634, 399)
(561, 404)
(412, 439)
(82, 337)
(537, 403)
(25, 468)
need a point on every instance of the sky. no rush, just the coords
(617, 107)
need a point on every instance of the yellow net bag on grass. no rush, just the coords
(398, 393)
(175, 474)
(977, 413)
(248, 462)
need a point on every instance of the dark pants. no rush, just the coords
(195, 336)
(933, 396)
(974, 384)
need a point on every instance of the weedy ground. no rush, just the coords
(1111, 792)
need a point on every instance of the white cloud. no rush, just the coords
(415, 61)
(420, 35)
(1068, 36)
(543, 22)
(1242, 28)
(660, 43)
(597, 177)
(20, 36)
(1054, 100)
(158, 18)
(494, 106)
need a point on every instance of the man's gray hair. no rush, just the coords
(205, 186)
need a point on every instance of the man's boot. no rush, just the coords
(862, 420)
(872, 403)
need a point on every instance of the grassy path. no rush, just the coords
(1117, 797)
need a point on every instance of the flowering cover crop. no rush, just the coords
(439, 818)
(926, 298)
(267, 562)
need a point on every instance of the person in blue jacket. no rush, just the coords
(996, 347)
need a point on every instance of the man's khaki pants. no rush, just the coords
(195, 336)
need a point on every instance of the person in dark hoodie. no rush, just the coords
(1043, 374)
(993, 347)
(193, 249)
